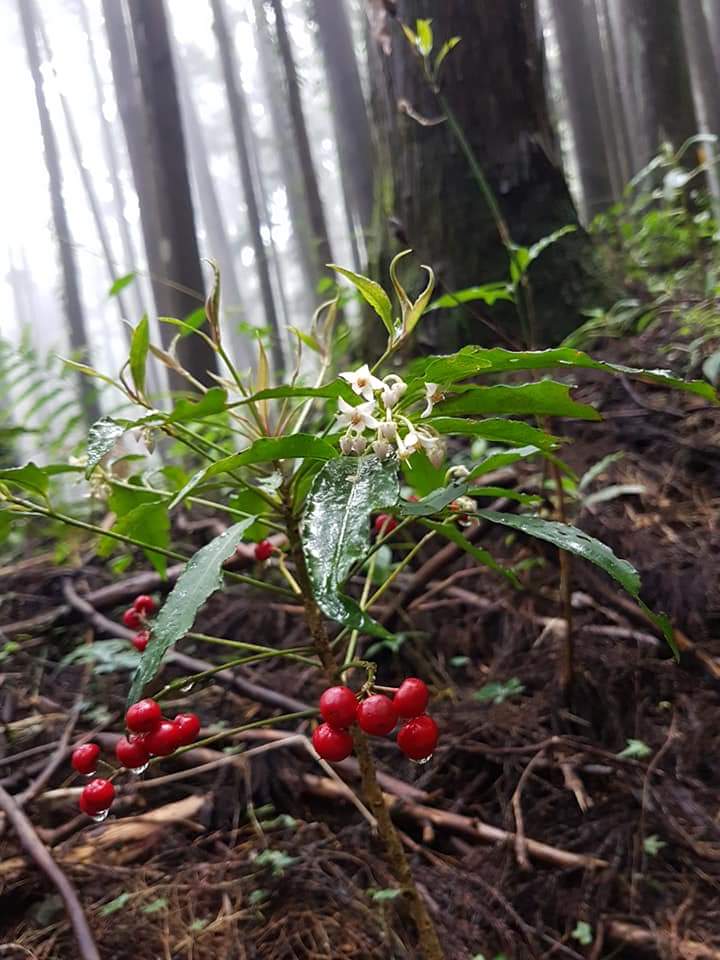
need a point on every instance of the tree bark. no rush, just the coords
(71, 287)
(349, 112)
(302, 141)
(493, 82)
(706, 93)
(175, 264)
(240, 127)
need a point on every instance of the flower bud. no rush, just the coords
(358, 445)
(382, 449)
(436, 453)
(346, 444)
(387, 430)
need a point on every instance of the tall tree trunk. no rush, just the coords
(492, 81)
(287, 154)
(292, 89)
(349, 112)
(71, 288)
(241, 130)
(706, 92)
(113, 167)
(219, 245)
(590, 144)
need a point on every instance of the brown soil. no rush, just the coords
(193, 884)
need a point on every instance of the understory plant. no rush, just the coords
(303, 469)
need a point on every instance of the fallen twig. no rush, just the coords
(663, 943)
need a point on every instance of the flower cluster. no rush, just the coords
(376, 715)
(393, 432)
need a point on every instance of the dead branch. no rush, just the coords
(660, 941)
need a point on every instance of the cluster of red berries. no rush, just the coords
(136, 617)
(376, 715)
(149, 735)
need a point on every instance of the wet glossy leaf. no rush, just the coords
(488, 293)
(149, 522)
(499, 430)
(336, 530)
(103, 436)
(201, 577)
(139, 346)
(545, 398)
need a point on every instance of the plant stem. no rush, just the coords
(429, 943)
(566, 670)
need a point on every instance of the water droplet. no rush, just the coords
(91, 774)
(140, 769)
(99, 817)
(187, 687)
(424, 760)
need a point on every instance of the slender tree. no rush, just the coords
(113, 166)
(71, 287)
(240, 127)
(302, 140)
(349, 112)
(427, 192)
(706, 92)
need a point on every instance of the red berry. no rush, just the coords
(84, 758)
(145, 605)
(263, 551)
(141, 640)
(418, 737)
(414, 498)
(338, 705)
(132, 753)
(132, 619)
(143, 716)
(332, 744)
(188, 727)
(97, 797)
(377, 715)
(385, 524)
(163, 740)
(412, 698)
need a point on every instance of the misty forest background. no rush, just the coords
(276, 137)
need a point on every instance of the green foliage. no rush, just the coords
(499, 691)
(635, 750)
(583, 933)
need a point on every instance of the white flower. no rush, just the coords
(431, 397)
(392, 392)
(387, 430)
(408, 444)
(382, 449)
(363, 383)
(357, 418)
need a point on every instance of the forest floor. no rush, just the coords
(534, 832)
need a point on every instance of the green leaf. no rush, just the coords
(593, 472)
(498, 460)
(444, 51)
(336, 528)
(499, 691)
(545, 398)
(29, 477)
(433, 502)
(527, 499)
(267, 449)
(149, 522)
(120, 284)
(102, 437)
(583, 933)
(117, 904)
(331, 391)
(139, 346)
(635, 750)
(537, 248)
(424, 37)
(451, 532)
(652, 845)
(488, 293)
(156, 905)
(201, 577)
(388, 893)
(372, 293)
(210, 403)
(87, 371)
(472, 361)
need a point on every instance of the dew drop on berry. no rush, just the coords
(99, 817)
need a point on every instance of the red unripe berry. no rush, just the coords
(163, 740)
(143, 716)
(376, 715)
(141, 640)
(414, 498)
(132, 619)
(97, 797)
(338, 705)
(385, 524)
(132, 753)
(84, 758)
(418, 737)
(188, 727)
(145, 605)
(263, 551)
(412, 698)
(331, 744)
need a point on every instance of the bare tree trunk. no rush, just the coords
(706, 93)
(219, 245)
(584, 113)
(349, 113)
(71, 288)
(292, 88)
(111, 159)
(287, 154)
(240, 126)
(712, 12)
